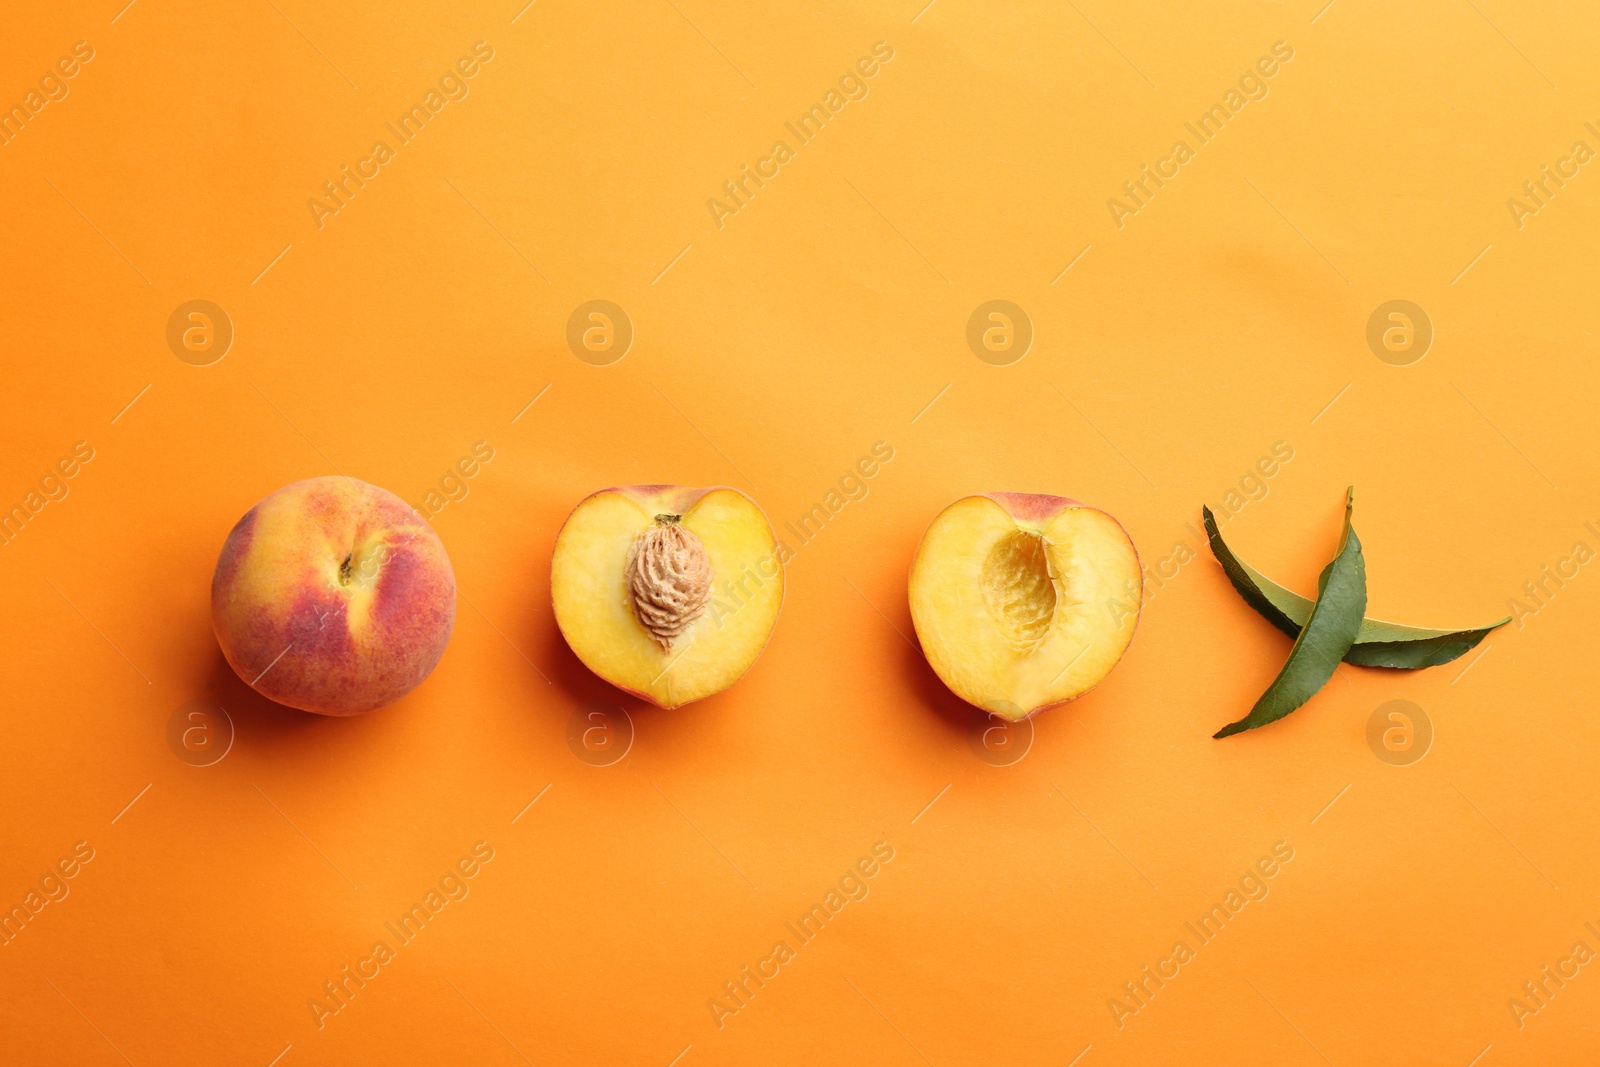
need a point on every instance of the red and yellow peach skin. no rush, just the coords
(333, 596)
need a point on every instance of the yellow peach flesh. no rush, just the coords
(1021, 605)
(593, 602)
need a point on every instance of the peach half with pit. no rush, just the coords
(665, 591)
(1022, 601)
(333, 596)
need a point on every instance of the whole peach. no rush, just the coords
(333, 596)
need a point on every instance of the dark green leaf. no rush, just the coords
(1377, 644)
(1327, 635)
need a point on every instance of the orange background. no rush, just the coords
(770, 354)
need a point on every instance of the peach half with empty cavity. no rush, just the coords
(666, 591)
(1022, 601)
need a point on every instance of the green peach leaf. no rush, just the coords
(1377, 644)
(1327, 635)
